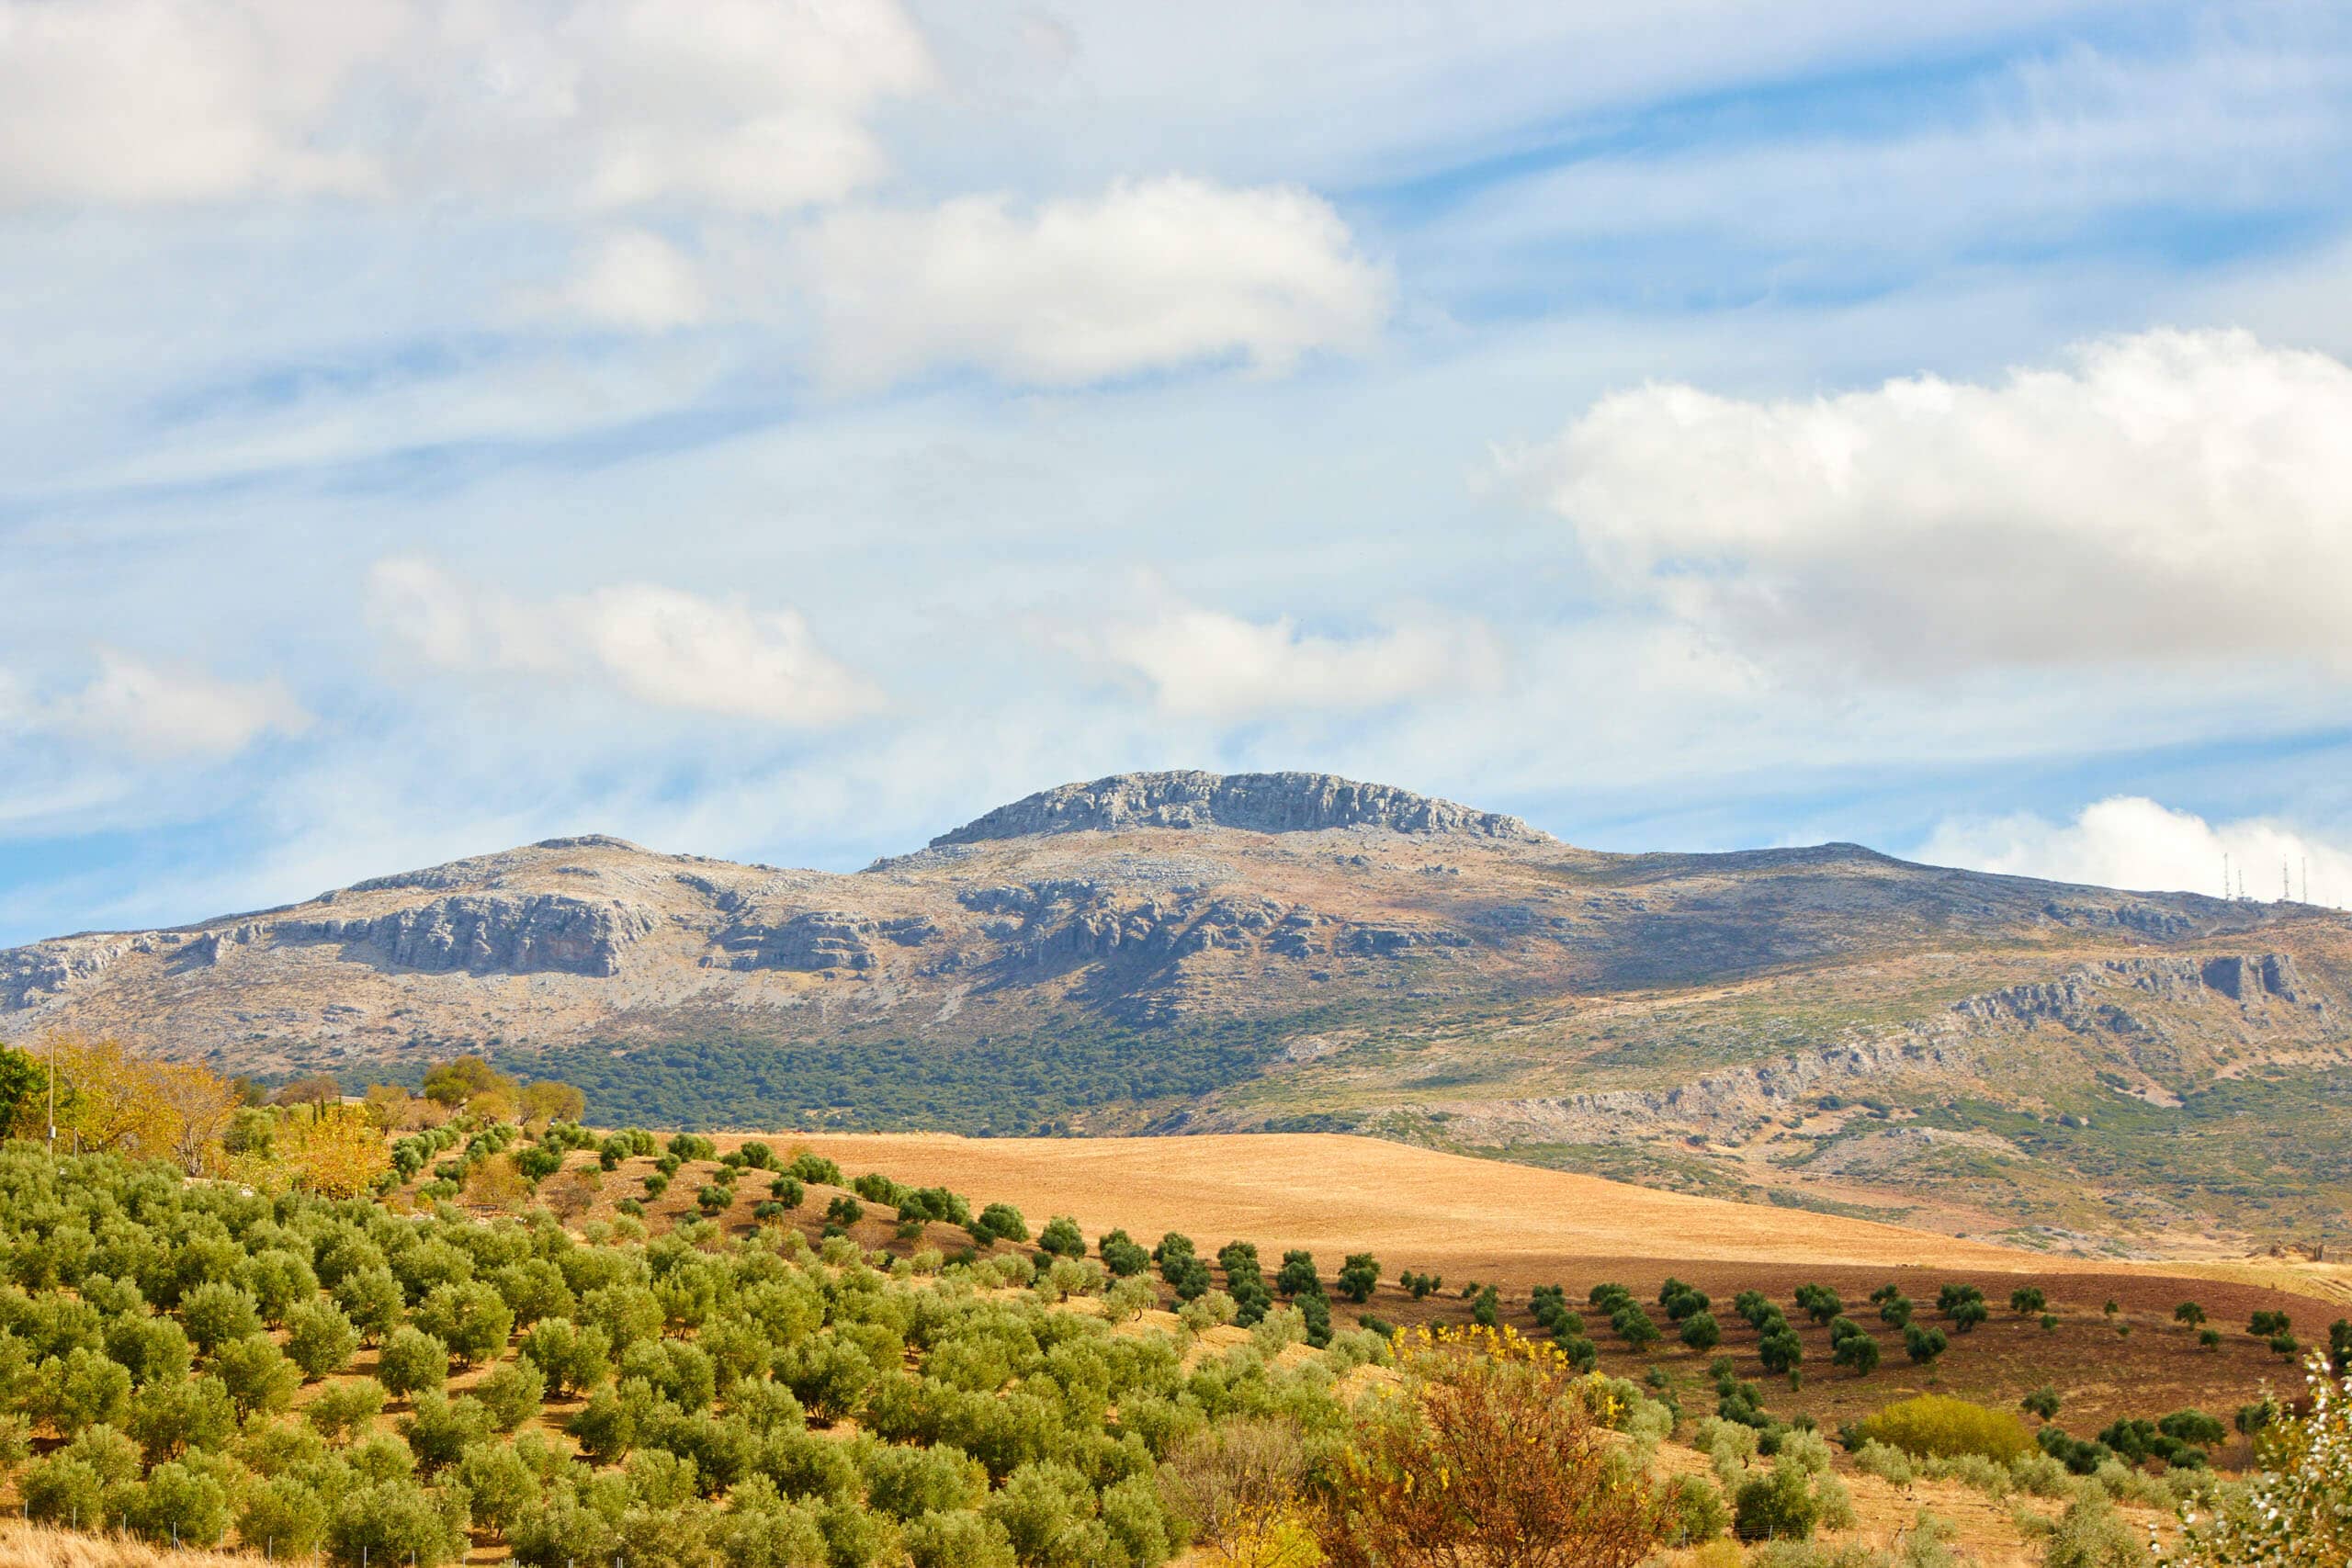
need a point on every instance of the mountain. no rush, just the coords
(1828, 1028)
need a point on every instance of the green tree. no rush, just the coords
(320, 1338)
(1359, 1277)
(412, 1362)
(259, 1378)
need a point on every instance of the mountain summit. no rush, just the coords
(1192, 951)
(1257, 802)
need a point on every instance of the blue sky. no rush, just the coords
(785, 431)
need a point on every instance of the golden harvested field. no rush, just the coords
(1421, 1209)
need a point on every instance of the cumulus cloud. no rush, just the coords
(1200, 663)
(1151, 275)
(753, 106)
(661, 646)
(155, 711)
(2132, 841)
(2166, 496)
(638, 280)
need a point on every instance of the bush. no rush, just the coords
(1697, 1511)
(2090, 1535)
(346, 1409)
(320, 1338)
(215, 1313)
(1924, 1344)
(393, 1521)
(1778, 1505)
(283, 1515)
(257, 1375)
(1701, 1333)
(954, 1540)
(180, 1503)
(1937, 1425)
(999, 1222)
(2042, 1402)
(1359, 1277)
(413, 1361)
(1060, 1238)
(1496, 1458)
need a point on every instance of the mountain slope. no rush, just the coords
(1191, 952)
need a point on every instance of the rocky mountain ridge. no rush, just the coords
(1188, 950)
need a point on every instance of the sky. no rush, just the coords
(785, 430)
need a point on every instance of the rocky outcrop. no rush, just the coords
(30, 975)
(1257, 802)
(820, 939)
(1720, 1104)
(486, 933)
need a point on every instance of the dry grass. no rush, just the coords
(37, 1546)
(1336, 1193)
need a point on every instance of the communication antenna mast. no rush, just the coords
(2240, 884)
(2307, 879)
(2286, 888)
(2225, 876)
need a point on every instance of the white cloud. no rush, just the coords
(155, 711)
(2169, 496)
(2132, 841)
(1151, 275)
(638, 280)
(661, 646)
(1206, 664)
(753, 106)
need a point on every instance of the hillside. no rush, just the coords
(2071, 1067)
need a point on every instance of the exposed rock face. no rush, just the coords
(486, 933)
(1256, 803)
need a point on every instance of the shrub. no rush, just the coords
(1856, 1351)
(1937, 1425)
(1696, 1511)
(1924, 1344)
(999, 1222)
(345, 1409)
(1122, 1256)
(180, 1503)
(788, 1191)
(2088, 1535)
(1780, 1350)
(320, 1338)
(952, 1540)
(1061, 1238)
(391, 1521)
(410, 1362)
(1701, 1333)
(692, 1146)
(1819, 1302)
(2042, 1402)
(284, 1516)
(2027, 1299)
(1359, 1277)
(572, 1359)
(215, 1313)
(371, 1299)
(1779, 1504)
(1493, 1458)
(257, 1375)
(511, 1394)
